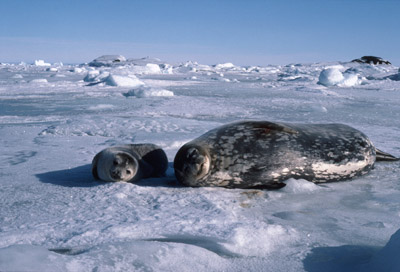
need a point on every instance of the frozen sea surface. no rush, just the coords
(55, 217)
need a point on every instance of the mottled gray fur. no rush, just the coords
(261, 154)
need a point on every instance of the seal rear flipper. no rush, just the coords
(158, 160)
(145, 170)
(383, 156)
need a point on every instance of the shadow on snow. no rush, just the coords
(343, 258)
(81, 176)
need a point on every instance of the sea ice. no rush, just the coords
(41, 63)
(227, 65)
(333, 76)
(146, 91)
(55, 216)
(123, 81)
(107, 60)
(39, 80)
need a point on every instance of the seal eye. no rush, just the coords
(128, 172)
(115, 162)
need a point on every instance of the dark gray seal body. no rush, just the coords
(129, 163)
(261, 154)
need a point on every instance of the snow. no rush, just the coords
(55, 217)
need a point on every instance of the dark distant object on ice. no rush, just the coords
(129, 163)
(107, 60)
(262, 154)
(371, 60)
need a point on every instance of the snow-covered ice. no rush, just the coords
(41, 63)
(55, 217)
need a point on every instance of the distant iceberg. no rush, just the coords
(107, 60)
(41, 63)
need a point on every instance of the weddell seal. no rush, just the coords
(261, 154)
(129, 163)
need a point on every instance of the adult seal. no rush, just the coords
(129, 163)
(261, 154)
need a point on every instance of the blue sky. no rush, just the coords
(243, 32)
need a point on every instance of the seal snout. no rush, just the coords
(117, 174)
(194, 162)
(122, 168)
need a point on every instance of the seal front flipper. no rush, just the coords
(383, 156)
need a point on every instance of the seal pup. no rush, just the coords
(262, 154)
(129, 163)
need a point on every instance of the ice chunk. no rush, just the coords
(148, 92)
(300, 186)
(39, 80)
(77, 70)
(101, 107)
(349, 80)
(227, 65)
(95, 76)
(153, 68)
(41, 63)
(149, 68)
(332, 76)
(123, 81)
(107, 60)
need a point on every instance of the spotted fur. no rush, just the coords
(261, 154)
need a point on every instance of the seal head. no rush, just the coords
(192, 164)
(117, 166)
(129, 163)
